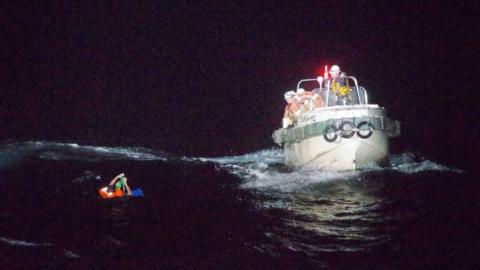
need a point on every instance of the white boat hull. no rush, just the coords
(305, 146)
(342, 154)
(346, 133)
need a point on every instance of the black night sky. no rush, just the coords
(206, 78)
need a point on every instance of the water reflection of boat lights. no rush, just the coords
(340, 210)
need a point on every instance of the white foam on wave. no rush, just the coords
(409, 163)
(264, 170)
(12, 154)
(23, 243)
(267, 156)
(70, 254)
(291, 181)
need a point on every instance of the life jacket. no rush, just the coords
(339, 89)
(104, 193)
(318, 101)
(291, 110)
(307, 98)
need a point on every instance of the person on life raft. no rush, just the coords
(118, 187)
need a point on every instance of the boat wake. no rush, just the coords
(261, 169)
(348, 209)
(303, 212)
(264, 170)
(13, 154)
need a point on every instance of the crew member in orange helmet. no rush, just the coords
(305, 96)
(291, 110)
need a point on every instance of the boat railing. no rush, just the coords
(357, 94)
(310, 80)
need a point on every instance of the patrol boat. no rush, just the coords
(339, 135)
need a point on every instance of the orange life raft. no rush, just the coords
(107, 195)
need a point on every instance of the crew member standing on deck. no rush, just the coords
(339, 85)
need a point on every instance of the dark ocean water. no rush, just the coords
(233, 212)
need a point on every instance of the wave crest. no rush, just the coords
(12, 154)
(265, 170)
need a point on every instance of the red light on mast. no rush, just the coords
(325, 74)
